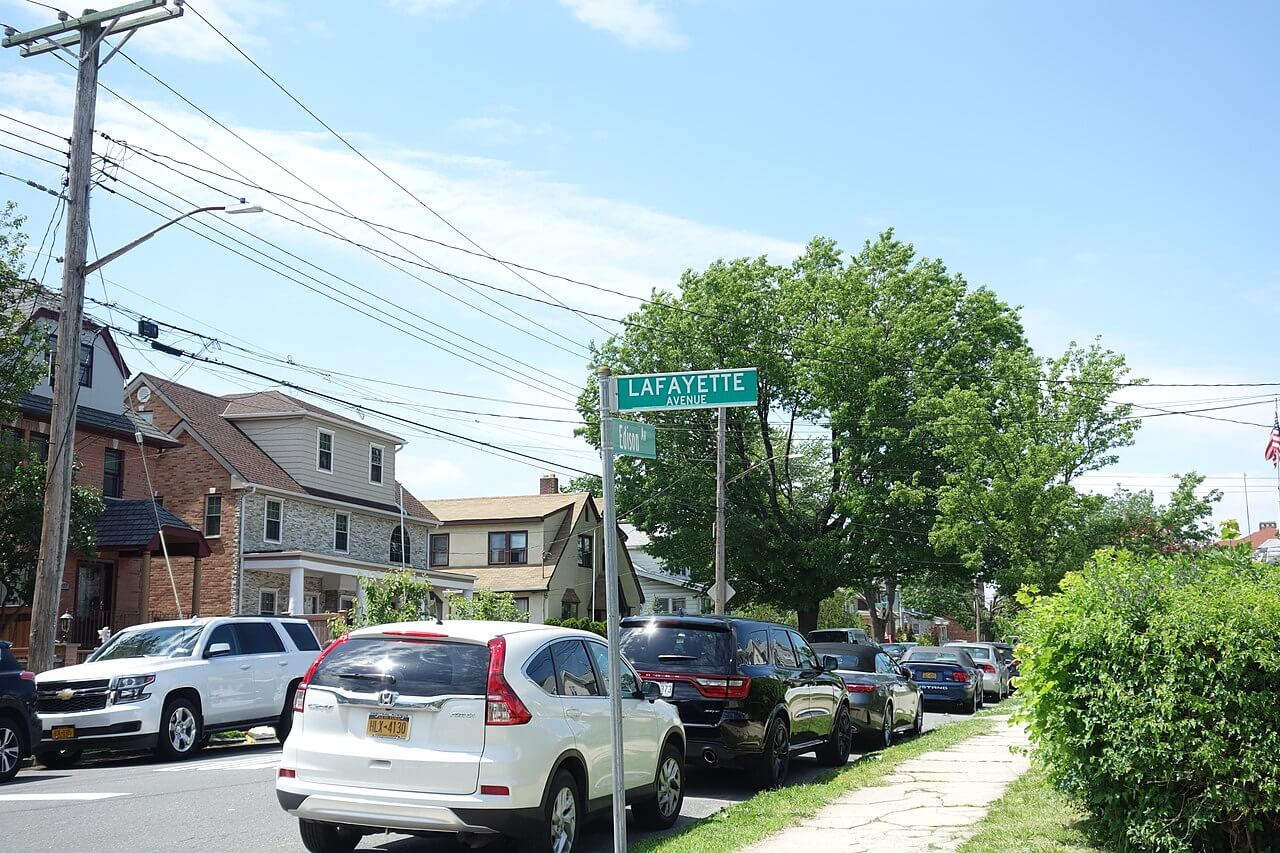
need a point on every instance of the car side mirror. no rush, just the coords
(650, 690)
(904, 672)
(830, 663)
(218, 649)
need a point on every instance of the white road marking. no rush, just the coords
(253, 762)
(17, 798)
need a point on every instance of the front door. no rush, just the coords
(94, 584)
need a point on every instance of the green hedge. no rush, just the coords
(1152, 691)
(582, 625)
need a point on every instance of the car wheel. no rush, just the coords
(284, 725)
(776, 760)
(661, 811)
(917, 728)
(327, 837)
(181, 730)
(12, 747)
(562, 817)
(835, 752)
(886, 729)
(59, 759)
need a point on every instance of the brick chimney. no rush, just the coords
(550, 485)
(1266, 525)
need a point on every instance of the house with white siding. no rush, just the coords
(665, 590)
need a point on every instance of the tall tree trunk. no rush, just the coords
(891, 617)
(807, 619)
(871, 592)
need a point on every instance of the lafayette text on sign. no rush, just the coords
(698, 389)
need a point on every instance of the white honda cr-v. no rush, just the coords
(473, 728)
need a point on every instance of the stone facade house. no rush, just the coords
(125, 581)
(295, 502)
(545, 549)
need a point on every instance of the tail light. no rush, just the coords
(960, 676)
(300, 694)
(986, 667)
(736, 687)
(286, 773)
(503, 707)
(26, 675)
(860, 688)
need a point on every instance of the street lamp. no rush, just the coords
(230, 209)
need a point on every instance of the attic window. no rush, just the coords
(375, 463)
(324, 450)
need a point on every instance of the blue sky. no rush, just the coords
(1110, 167)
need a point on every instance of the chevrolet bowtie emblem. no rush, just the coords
(65, 694)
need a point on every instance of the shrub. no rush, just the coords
(398, 595)
(1150, 688)
(581, 625)
(488, 605)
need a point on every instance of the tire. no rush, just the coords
(284, 725)
(835, 752)
(885, 739)
(13, 746)
(562, 818)
(59, 759)
(181, 730)
(917, 728)
(775, 761)
(327, 837)
(661, 811)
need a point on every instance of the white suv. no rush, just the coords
(168, 686)
(473, 728)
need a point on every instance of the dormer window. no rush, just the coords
(324, 450)
(86, 361)
(375, 463)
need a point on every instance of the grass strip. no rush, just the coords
(1031, 817)
(772, 811)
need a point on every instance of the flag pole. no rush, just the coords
(1275, 463)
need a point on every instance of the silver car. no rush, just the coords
(995, 674)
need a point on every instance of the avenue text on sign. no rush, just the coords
(699, 389)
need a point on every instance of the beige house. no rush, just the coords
(545, 549)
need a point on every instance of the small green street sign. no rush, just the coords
(631, 438)
(696, 389)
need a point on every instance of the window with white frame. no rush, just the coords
(311, 603)
(586, 551)
(346, 602)
(267, 602)
(341, 531)
(522, 604)
(212, 515)
(677, 605)
(375, 463)
(661, 605)
(324, 450)
(272, 521)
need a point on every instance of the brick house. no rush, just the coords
(126, 580)
(295, 502)
(544, 549)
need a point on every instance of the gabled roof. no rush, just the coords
(276, 403)
(49, 307)
(503, 508)
(120, 424)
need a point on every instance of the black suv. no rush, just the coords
(751, 694)
(19, 726)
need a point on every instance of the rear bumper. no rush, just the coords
(949, 693)
(731, 743)
(396, 810)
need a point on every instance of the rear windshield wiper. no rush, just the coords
(677, 657)
(368, 676)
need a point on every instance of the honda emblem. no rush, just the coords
(388, 698)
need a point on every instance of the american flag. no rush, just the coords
(1273, 444)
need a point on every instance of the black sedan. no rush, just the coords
(19, 726)
(883, 700)
(946, 676)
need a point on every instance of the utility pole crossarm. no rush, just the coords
(65, 34)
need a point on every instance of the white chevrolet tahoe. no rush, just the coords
(168, 686)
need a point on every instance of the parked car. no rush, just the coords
(995, 674)
(838, 635)
(945, 676)
(1010, 661)
(476, 729)
(883, 700)
(896, 650)
(19, 726)
(168, 686)
(751, 694)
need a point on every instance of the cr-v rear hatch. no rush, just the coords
(402, 712)
(692, 660)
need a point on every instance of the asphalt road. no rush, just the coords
(225, 801)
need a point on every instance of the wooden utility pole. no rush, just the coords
(88, 31)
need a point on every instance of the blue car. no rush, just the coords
(945, 676)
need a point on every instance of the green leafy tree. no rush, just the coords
(21, 364)
(585, 483)
(1135, 522)
(22, 481)
(487, 605)
(398, 595)
(1229, 529)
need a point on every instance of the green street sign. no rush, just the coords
(631, 438)
(696, 389)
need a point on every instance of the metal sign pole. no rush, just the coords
(611, 603)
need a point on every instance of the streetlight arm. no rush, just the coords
(106, 259)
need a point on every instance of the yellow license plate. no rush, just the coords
(395, 726)
(63, 732)
(929, 676)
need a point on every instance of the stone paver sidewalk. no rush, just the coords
(929, 804)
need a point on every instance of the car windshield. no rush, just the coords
(917, 655)
(666, 646)
(172, 641)
(893, 649)
(978, 652)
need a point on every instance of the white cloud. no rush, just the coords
(639, 23)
